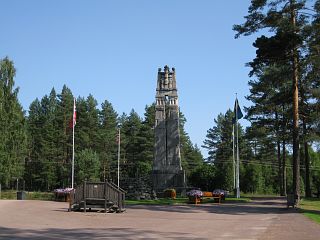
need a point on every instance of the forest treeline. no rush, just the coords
(279, 151)
(36, 146)
(284, 85)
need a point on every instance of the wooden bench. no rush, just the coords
(207, 195)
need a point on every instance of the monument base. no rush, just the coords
(163, 180)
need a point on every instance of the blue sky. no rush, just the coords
(113, 49)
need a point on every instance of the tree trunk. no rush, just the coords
(306, 158)
(279, 167)
(278, 153)
(284, 172)
(295, 135)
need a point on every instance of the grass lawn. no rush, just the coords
(47, 196)
(12, 194)
(237, 200)
(310, 207)
(255, 195)
(180, 200)
(160, 201)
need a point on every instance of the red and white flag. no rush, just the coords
(74, 118)
(72, 122)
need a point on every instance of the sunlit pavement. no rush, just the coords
(260, 219)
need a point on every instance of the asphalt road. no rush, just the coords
(260, 219)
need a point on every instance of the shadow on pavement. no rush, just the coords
(88, 233)
(255, 207)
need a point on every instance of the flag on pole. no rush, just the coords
(73, 121)
(237, 112)
(74, 118)
(236, 164)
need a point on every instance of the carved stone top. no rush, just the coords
(166, 79)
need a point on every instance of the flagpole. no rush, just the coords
(119, 139)
(237, 179)
(233, 158)
(72, 171)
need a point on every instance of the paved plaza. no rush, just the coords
(259, 219)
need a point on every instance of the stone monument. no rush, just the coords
(167, 171)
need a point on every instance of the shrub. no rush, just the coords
(170, 193)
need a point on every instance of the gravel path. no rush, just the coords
(260, 219)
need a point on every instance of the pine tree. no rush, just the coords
(107, 144)
(33, 164)
(286, 18)
(49, 141)
(130, 131)
(310, 93)
(270, 95)
(191, 156)
(13, 137)
(44, 163)
(88, 121)
(203, 177)
(87, 166)
(218, 142)
(64, 136)
(146, 141)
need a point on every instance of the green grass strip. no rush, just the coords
(12, 195)
(310, 207)
(181, 201)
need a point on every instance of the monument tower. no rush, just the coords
(167, 170)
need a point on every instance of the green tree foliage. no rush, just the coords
(146, 141)
(315, 171)
(87, 166)
(286, 53)
(258, 155)
(43, 146)
(48, 141)
(87, 123)
(191, 156)
(138, 141)
(131, 141)
(252, 180)
(50, 146)
(271, 98)
(310, 93)
(13, 137)
(107, 145)
(219, 138)
(42, 142)
(219, 144)
(34, 127)
(203, 177)
(263, 162)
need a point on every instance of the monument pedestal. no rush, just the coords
(163, 180)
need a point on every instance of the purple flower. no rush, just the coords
(195, 193)
(63, 190)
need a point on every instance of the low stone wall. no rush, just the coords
(138, 188)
